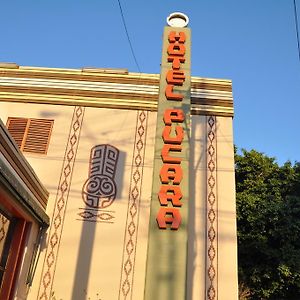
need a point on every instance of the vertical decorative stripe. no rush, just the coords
(60, 207)
(133, 210)
(212, 218)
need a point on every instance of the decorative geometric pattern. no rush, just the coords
(132, 222)
(93, 215)
(100, 190)
(212, 218)
(58, 216)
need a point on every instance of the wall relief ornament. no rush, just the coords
(100, 190)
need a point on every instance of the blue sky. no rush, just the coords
(251, 42)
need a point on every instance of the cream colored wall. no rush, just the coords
(224, 243)
(90, 258)
(227, 241)
(91, 253)
(197, 210)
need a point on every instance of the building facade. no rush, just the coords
(140, 174)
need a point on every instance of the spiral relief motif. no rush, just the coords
(100, 190)
(107, 187)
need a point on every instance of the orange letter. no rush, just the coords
(170, 95)
(172, 140)
(168, 216)
(174, 197)
(176, 61)
(165, 154)
(176, 49)
(175, 77)
(170, 172)
(179, 37)
(173, 115)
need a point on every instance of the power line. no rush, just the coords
(297, 27)
(128, 38)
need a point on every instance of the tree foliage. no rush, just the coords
(268, 218)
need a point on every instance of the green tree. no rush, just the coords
(268, 220)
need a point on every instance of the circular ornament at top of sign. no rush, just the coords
(177, 19)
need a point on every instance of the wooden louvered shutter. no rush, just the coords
(17, 129)
(33, 137)
(38, 136)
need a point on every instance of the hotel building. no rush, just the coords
(117, 185)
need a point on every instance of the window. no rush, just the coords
(14, 232)
(5, 237)
(31, 135)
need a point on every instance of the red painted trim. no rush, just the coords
(14, 260)
(20, 258)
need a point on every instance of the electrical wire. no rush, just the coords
(297, 27)
(128, 38)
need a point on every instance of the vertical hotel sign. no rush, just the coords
(167, 245)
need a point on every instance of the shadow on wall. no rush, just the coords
(195, 163)
(102, 188)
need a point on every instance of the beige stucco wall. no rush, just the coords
(217, 168)
(227, 241)
(197, 210)
(82, 259)
(98, 260)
